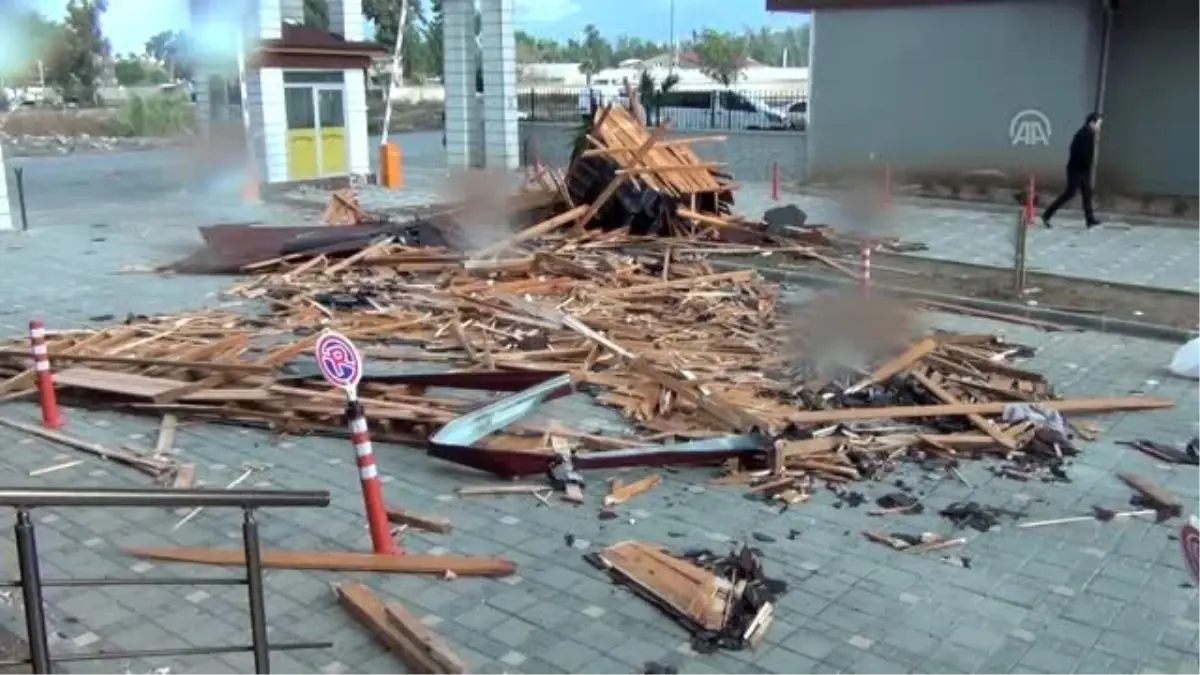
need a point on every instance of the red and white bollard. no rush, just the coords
(372, 489)
(864, 279)
(775, 181)
(51, 419)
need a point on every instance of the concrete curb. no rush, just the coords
(1091, 322)
(991, 207)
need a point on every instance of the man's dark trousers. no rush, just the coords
(1077, 181)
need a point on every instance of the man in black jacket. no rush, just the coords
(1079, 172)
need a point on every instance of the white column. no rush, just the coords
(292, 10)
(499, 85)
(346, 19)
(204, 100)
(358, 140)
(6, 220)
(268, 123)
(458, 76)
(266, 20)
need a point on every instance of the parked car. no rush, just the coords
(717, 109)
(796, 114)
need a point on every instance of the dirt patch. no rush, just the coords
(423, 116)
(60, 122)
(1177, 309)
(34, 132)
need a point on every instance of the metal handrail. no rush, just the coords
(24, 500)
(155, 498)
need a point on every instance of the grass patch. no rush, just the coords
(165, 114)
(159, 115)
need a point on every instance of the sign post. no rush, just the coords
(341, 365)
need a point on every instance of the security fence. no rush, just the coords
(683, 109)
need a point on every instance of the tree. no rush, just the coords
(316, 14)
(722, 56)
(650, 94)
(76, 63)
(26, 37)
(170, 48)
(129, 71)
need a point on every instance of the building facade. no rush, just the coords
(940, 89)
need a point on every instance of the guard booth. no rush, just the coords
(315, 103)
(311, 111)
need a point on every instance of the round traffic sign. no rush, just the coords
(339, 361)
(1189, 541)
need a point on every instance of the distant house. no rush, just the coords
(686, 60)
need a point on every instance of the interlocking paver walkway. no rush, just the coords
(1089, 597)
(1145, 255)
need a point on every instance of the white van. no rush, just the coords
(717, 109)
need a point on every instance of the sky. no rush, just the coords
(129, 23)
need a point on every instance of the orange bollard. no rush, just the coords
(391, 172)
(775, 181)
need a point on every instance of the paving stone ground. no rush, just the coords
(1145, 255)
(1090, 597)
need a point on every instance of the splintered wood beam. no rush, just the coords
(673, 143)
(421, 522)
(915, 352)
(1070, 405)
(620, 493)
(975, 418)
(335, 561)
(165, 444)
(1152, 494)
(703, 166)
(60, 357)
(422, 650)
(533, 232)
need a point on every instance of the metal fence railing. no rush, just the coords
(31, 583)
(698, 109)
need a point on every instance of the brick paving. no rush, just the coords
(1080, 598)
(1144, 255)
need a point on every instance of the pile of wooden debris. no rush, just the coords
(606, 287)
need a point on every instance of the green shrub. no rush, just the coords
(164, 114)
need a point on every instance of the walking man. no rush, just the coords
(1079, 172)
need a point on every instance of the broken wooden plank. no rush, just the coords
(336, 561)
(621, 493)
(147, 465)
(402, 633)
(1153, 495)
(428, 523)
(165, 444)
(1075, 405)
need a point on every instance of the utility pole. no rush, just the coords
(674, 43)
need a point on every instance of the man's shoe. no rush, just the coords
(1092, 223)
(1046, 222)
